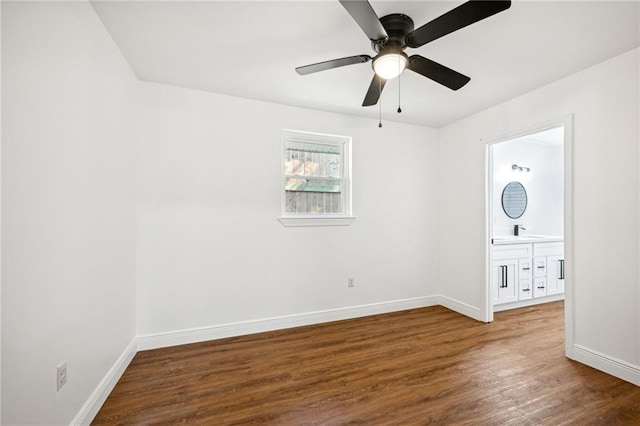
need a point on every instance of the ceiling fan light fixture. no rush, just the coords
(390, 65)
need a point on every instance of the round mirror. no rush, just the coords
(514, 200)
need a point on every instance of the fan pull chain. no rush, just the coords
(379, 102)
(399, 109)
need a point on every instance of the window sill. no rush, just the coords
(317, 221)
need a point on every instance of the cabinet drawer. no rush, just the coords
(548, 249)
(524, 268)
(539, 266)
(539, 287)
(525, 289)
(511, 251)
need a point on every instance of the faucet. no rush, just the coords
(516, 230)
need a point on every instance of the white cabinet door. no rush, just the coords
(555, 275)
(505, 281)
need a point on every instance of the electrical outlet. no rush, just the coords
(61, 376)
(351, 282)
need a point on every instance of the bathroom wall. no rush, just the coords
(543, 154)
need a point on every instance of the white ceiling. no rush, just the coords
(249, 49)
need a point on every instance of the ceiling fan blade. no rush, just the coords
(463, 15)
(334, 63)
(375, 90)
(436, 72)
(366, 18)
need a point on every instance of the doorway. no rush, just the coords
(529, 218)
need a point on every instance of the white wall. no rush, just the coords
(544, 185)
(605, 155)
(210, 248)
(68, 208)
(0, 215)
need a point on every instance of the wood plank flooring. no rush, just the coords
(416, 367)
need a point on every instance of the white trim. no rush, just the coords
(315, 137)
(461, 308)
(0, 214)
(317, 221)
(618, 368)
(569, 242)
(345, 144)
(529, 302)
(487, 309)
(610, 365)
(202, 334)
(536, 128)
(99, 395)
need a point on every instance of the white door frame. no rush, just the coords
(486, 308)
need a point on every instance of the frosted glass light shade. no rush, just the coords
(389, 65)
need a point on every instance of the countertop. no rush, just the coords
(526, 239)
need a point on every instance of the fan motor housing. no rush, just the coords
(398, 26)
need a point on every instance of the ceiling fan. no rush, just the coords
(392, 34)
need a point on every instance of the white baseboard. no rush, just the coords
(91, 407)
(610, 365)
(528, 302)
(202, 334)
(460, 307)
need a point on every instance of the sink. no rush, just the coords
(512, 239)
(521, 237)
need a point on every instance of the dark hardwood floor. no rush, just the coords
(422, 366)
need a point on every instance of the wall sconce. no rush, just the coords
(521, 168)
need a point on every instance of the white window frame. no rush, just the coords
(328, 219)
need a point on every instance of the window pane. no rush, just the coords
(312, 147)
(314, 196)
(313, 185)
(311, 163)
(314, 167)
(313, 202)
(333, 166)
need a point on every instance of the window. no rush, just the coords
(316, 186)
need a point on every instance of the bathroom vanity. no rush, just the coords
(526, 270)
